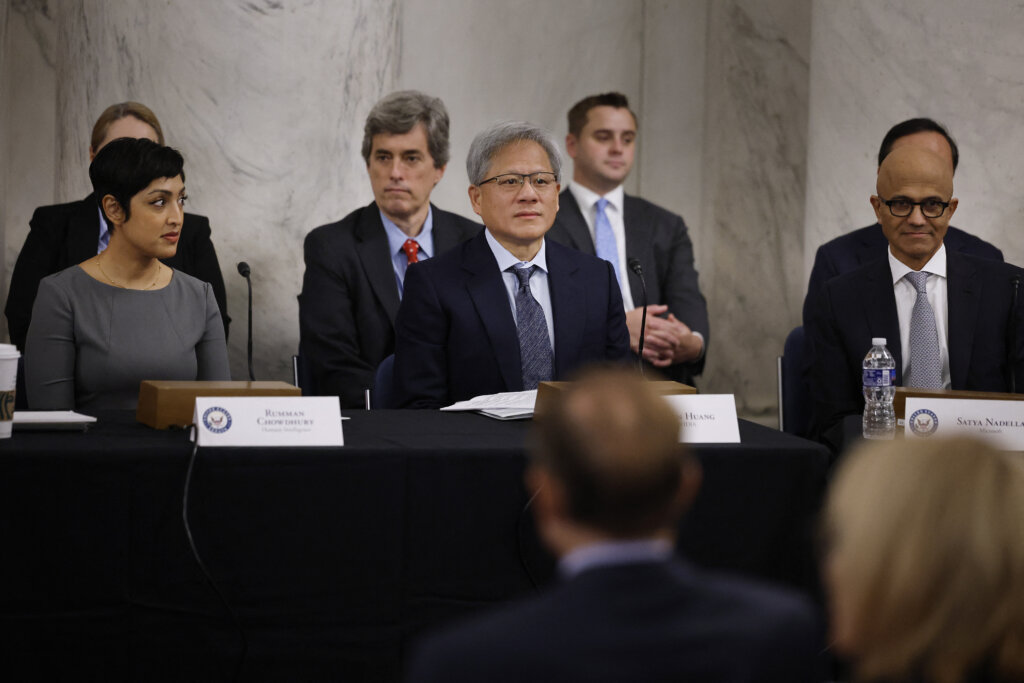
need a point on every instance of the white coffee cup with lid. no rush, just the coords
(9, 356)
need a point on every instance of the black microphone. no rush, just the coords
(634, 265)
(243, 270)
(1012, 352)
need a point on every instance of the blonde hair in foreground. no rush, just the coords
(927, 547)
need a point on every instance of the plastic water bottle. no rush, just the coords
(879, 389)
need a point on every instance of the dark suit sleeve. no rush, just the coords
(329, 340)
(38, 258)
(833, 389)
(681, 290)
(205, 266)
(421, 340)
(822, 271)
(617, 343)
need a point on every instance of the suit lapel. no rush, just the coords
(879, 305)
(490, 298)
(84, 231)
(639, 234)
(963, 292)
(445, 234)
(375, 257)
(567, 295)
(571, 218)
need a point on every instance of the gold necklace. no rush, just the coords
(99, 263)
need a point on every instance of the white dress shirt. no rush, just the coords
(906, 296)
(587, 200)
(538, 281)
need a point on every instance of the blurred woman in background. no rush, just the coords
(925, 562)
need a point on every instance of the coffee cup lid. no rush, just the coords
(9, 351)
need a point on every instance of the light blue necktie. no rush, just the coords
(604, 238)
(925, 362)
(532, 327)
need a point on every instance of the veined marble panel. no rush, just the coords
(28, 34)
(754, 191)
(266, 101)
(876, 64)
(486, 72)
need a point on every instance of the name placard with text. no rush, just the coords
(268, 421)
(706, 418)
(999, 422)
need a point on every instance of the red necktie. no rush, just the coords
(411, 249)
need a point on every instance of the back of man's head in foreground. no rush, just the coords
(607, 460)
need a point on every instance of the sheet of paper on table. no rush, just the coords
(508, 405)
(51, 419)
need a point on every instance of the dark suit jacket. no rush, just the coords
(861, 304)
(854, 249)
(650, 622)
(660, 241)
(349, 298)
(455, 336)
(64, 235)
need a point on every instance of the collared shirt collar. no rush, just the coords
(634, 551)
(586, 197)
(396, 238)
(506, 260)
(936, 265)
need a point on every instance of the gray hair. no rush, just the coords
(399, 112)
(488, 143)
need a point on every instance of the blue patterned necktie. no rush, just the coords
(925, 362)
(532, 327)
(604, 238)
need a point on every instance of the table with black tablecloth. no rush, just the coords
(332, 558)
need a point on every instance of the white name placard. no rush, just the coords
(706, 418)
(268, 421)
(1000, 422)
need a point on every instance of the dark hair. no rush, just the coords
(116, 112)
(126, 166)
(580, 110)
(399, 112)
(613, 442)
(910, 127)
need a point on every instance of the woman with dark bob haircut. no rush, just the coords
(925, 562)
(122, 316)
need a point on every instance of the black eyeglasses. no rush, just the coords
(540, 180)
(901, 207)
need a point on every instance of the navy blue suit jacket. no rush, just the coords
(855, 249)
(660, 241)
(349, 298)
(455, 336)
(861, 304)
(652, 622)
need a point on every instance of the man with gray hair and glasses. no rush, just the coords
(355, 268)
(506, 309)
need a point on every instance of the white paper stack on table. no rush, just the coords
(509, 405)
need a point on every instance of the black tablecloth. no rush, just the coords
(333, 558)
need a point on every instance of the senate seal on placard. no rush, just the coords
(217, 420)
(924, 422)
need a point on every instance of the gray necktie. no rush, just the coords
(925, 362)
(532, 327)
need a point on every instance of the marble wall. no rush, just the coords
(875, 64)
(759, 123)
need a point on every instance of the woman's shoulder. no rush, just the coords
(182, 281)
(71, 279)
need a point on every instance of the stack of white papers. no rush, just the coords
(51, 420)
(509, 405)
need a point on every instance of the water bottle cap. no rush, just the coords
(878, 341)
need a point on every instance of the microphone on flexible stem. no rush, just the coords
(243, 270)
(634, 265)
(1012, 353)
